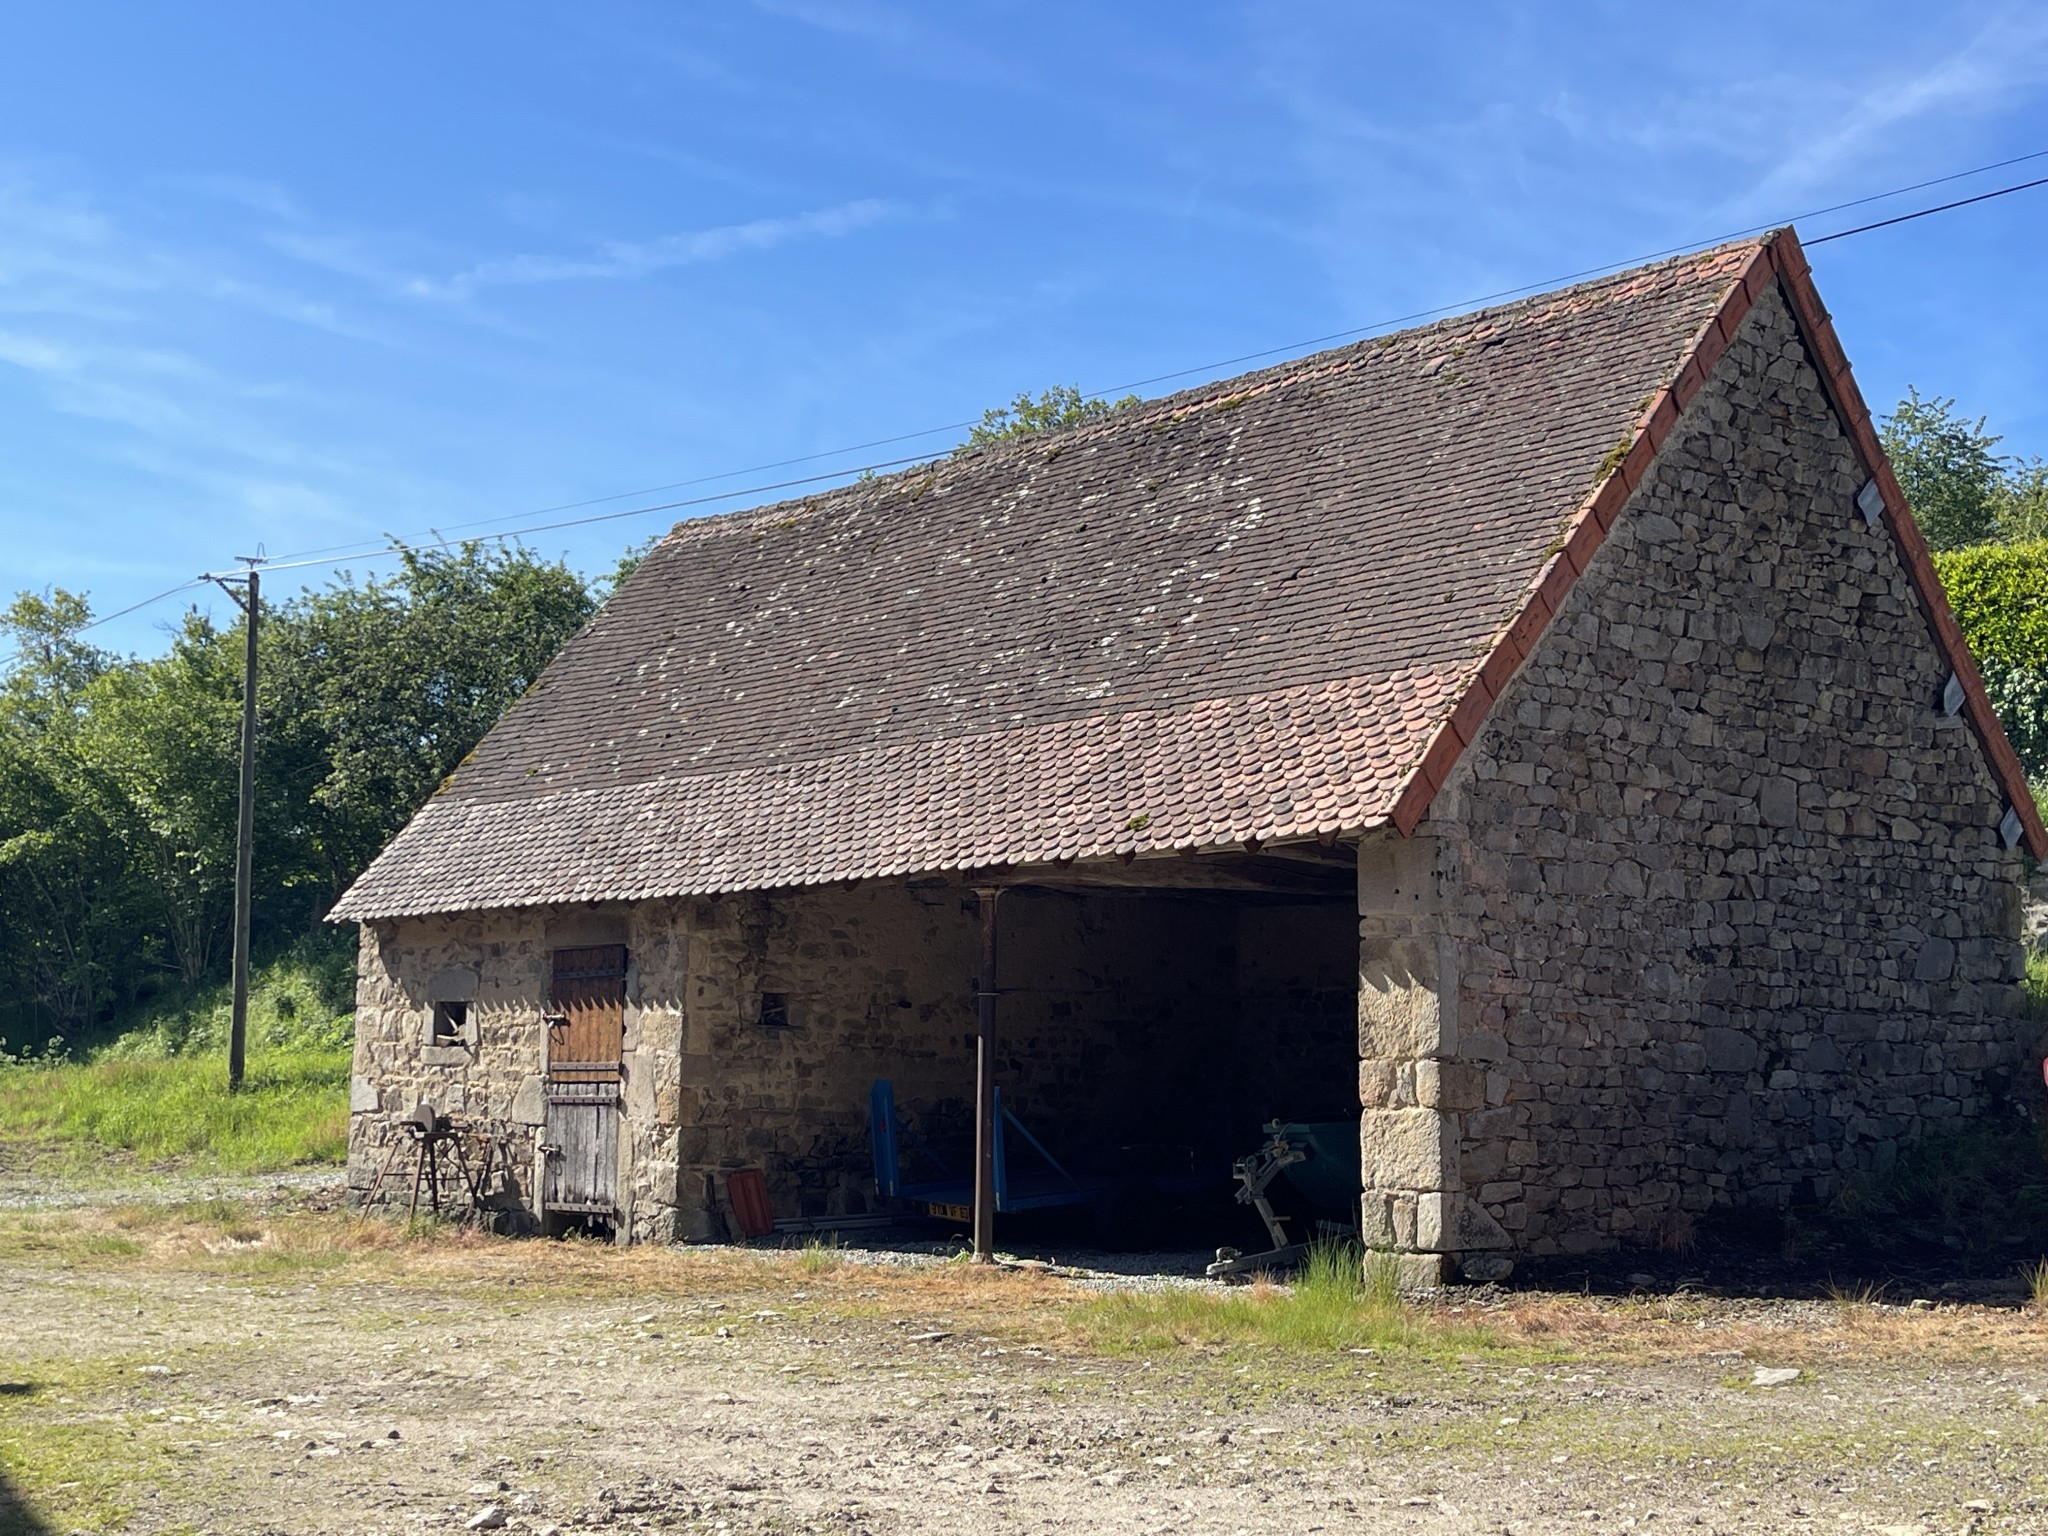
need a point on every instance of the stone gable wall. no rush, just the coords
(1714, 909)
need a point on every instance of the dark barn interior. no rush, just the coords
(1148, 1020)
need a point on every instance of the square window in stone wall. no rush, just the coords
(449, 1021)
(774, 1010)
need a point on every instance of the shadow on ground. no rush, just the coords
(16, 1518)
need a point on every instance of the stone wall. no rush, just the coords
(492, 1078)
(1126, 1019)
(1714, 909)
(1296, 1007)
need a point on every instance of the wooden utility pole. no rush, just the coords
(985, 1127)
(250, 597)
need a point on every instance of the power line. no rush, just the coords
(329, 556)
(1586, 272)
(21, 655)
(1314, 341)
(677, 485)
(122, 613)
(579, 522)
(1907, 218)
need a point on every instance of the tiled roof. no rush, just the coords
(1242, 612)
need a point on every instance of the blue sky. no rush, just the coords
(305, 276)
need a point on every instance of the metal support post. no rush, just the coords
(985, 1085)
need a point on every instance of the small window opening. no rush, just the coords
(774, 1010)
(450, 1020)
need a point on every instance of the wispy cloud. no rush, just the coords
(107, 320)
(2007, 55)
(640, 258)
(870, 23)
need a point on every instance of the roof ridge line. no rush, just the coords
(1189, 400)
(1779, 262)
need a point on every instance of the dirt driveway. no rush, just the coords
(204, 1369)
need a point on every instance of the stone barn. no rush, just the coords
(1540, 735)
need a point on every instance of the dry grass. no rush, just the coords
(1691, 1327)
(1337, 1310)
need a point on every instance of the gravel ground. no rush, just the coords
(22, 1190)
(233, 1380)
(913, 1247)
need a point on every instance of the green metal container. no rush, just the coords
(1331, 1174)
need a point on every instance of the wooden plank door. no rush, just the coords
(587, 1031)
(583, 1149)
(586, 1044)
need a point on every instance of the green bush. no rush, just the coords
(2000, 596)
(303, 999)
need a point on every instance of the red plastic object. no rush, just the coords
(747, 1189)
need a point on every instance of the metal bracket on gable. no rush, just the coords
(2009, 828)
(1870, 501)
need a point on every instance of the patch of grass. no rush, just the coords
(1855, 1299)
(820, 1256)
(2036, 985)
(61, 1477)
(2037, 1284)
(1341, 1299)
(292, 1111)
(65, 1466)
(1983, 1188)
(301, 999)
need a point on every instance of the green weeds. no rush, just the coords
(303, 999)
(1342, 1299)
(820, 1256)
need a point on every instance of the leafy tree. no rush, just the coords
(1061, 406)
(51, 665)
(65, 904)
(163, 740)
(118, 777)
(379, 690)
(2020, 504)
(1947, 469)
(2000, 596)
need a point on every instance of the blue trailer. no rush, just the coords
(1036, 1181)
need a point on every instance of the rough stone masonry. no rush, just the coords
(1714, 909)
